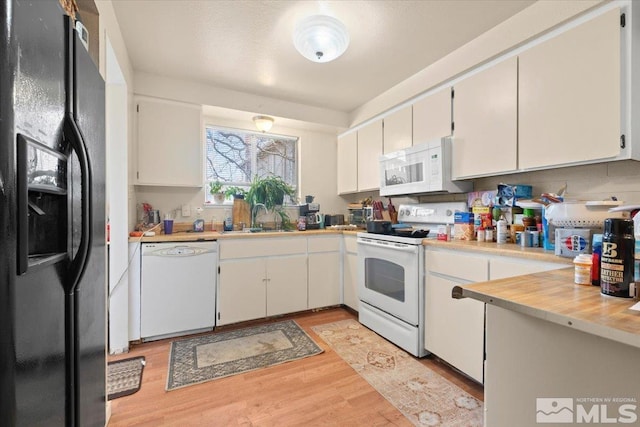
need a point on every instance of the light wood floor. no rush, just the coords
(318, 390)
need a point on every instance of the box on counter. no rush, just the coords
(463, 231)
(463, 217)
(570, 242)
(508, 194)
(480, 198)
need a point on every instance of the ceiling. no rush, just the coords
(247, 45)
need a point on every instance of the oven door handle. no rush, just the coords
(395, 247)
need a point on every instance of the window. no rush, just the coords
(235, 156)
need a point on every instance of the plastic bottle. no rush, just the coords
(617, 259)
(228, 221)
(501, 231)
(596, 251)
(582, 273)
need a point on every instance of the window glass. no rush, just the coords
(235, 156)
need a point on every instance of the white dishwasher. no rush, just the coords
(178, 289)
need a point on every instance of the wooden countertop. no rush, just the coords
(506, 249)
(553, 296)
(216, 235)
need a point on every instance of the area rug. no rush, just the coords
(208, 357)
(421, 395)
(124, 377)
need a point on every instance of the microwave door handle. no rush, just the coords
(408, 248)
(78, 263)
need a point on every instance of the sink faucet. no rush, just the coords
(254, 212)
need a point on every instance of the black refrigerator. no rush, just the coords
(52, 218)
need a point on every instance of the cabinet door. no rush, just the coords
(454, 329)
(241, 291)
(570, 96)
(500, 268)
(324, 279)
(286, 284)
(369, 151)
(348, 163)
(485, 115)
(350, 280)
(432, 117)
(398, 130)
(169, 144)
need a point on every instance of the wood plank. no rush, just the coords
(322, 389)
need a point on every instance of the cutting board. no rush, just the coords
(241, 213)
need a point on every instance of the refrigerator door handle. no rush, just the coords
(78, 263)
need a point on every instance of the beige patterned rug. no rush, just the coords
(423, 396)
(208, 357)
(124, 377)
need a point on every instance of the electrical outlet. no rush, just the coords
(186, 210)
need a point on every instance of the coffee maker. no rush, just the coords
(310, 211)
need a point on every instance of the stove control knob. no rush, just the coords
(449, 213)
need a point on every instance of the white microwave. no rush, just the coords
(423, 168)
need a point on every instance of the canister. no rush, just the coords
(616, 260)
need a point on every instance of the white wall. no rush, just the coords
(317, 176)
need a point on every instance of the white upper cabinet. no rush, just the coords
(570, 96)
(432, 117)
(398, 130)
(348, 163)
(169, 143)
(369, 151)
(485, 115)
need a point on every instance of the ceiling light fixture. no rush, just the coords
(320, 38)
(263, 123)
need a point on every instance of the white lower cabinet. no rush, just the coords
(454, 329)
(242, 291)
(254, 288)
(324, 271)
(350, 273)
(286, 284)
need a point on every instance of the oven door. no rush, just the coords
(389, 277)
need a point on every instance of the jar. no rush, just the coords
(616, 260)
(480, 235)
(582, 267)
(488, 234)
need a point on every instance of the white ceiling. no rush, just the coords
(246, 45)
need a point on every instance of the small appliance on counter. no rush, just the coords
(333, 219)
(311, 212)
(359, 216)
(568, 227)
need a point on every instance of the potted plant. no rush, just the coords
(270, 191)
(215, 189)
(235, 192)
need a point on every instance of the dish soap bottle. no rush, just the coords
(198, 224)
(228, 221)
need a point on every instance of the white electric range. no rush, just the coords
(391, 275)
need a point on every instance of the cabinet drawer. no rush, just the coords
(324, 244)
(262, 246)
(463, 266)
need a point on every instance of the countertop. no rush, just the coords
(216, 235)
(552, 296)
(506, 249)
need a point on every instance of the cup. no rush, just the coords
(308, 199)
(168, 226)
